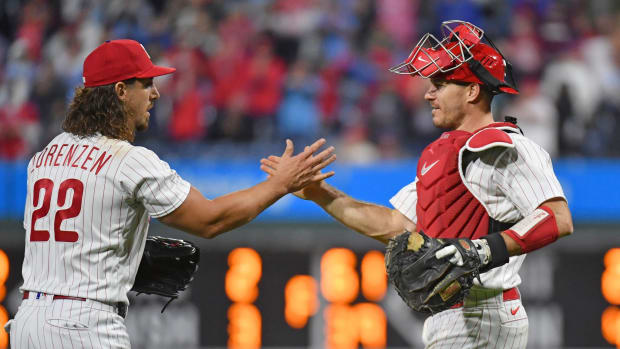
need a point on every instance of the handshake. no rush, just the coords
(432, 275)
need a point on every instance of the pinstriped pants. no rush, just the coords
(50, 324)
(485, 321)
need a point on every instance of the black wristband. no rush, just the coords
(499, 251)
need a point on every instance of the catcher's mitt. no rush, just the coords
(425, 283)
(167, 267)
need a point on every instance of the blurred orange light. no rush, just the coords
(612, 258)
(339, 279)
(341, 330)
(4, 316)
(300, 300)
(4, 267)
(610, 325)
(244, 272)
(4, 337)
(347, 326)
(244, 326)
(372, 324)
(374, 277)
(610, 280)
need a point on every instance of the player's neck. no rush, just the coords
(476, 121)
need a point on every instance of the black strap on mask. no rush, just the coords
(487, 78)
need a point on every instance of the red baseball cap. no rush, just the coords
(118, 60)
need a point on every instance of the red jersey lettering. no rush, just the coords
(50, 154)
(40, 158)
(74, 164)
(88, 157)
(101, 161)
(56, 163)
(70, 155)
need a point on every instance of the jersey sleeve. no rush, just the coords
(525, 175)
(27, 209)
(153, 183)
(406, 200)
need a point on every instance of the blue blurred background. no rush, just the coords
(253, 73)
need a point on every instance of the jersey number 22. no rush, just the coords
(72, 211)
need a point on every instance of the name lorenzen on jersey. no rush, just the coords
(85, 156)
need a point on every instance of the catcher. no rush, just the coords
(484, 196)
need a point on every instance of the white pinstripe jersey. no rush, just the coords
(87, 213)
(510, 185)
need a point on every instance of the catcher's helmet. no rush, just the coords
(460, 56)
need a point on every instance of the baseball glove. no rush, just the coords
(425, 283)
(167, 267)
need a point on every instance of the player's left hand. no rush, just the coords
(167, 267)
(427, 283)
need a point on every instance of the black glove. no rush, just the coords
(167, 267)
(427, 283)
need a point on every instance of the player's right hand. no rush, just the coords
(301, 170)
(304, 193)
(456, 258)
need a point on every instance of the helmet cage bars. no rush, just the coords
(432, 56)
(451, 46)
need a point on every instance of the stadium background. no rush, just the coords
(252, 73)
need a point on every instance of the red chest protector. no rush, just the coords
(446, 208)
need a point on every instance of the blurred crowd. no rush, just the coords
(251, 73)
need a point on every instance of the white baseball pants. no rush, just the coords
(487, 319)
(63, 323)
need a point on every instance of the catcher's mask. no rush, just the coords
(460, 56)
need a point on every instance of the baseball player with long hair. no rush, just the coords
(91, 194)
(482, 181)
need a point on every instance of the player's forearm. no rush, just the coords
(369, 219)
(563, 222)
(550, 221)
(238, 208)
(209, 218)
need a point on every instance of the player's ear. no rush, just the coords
(474, 92)
(120, 88)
